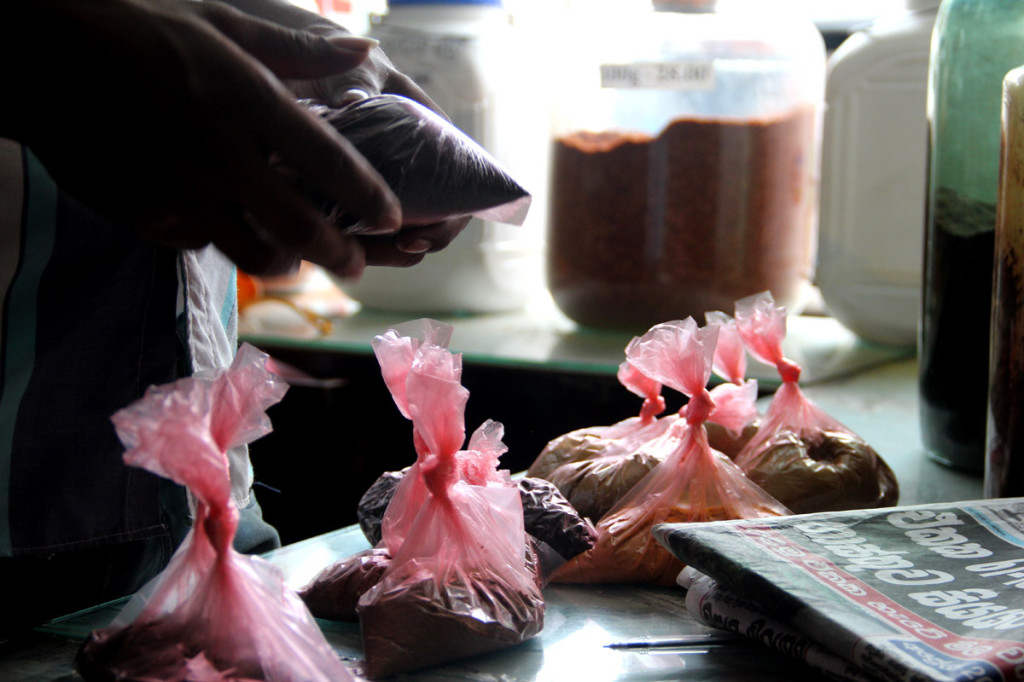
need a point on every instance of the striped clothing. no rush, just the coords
(91, 316)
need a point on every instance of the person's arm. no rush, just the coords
(162, 115)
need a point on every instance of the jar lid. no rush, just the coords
(489, 3)
(695, 6)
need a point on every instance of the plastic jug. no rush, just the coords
(873, 176)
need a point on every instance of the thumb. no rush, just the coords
(289, 53)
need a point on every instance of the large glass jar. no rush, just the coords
(459, 52)
(685, 161)
(976, 42)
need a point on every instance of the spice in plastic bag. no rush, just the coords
(595, 485)
(212, 614)
(334, 592)
(827, 471)
(595, 466)
(693, 482)
(462, 578)
(436, 171)
(800, 454)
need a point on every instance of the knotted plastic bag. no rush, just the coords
(436, 171)
(462, 579)
(595, 466)
(730, 363)
(800, 454)
(556, 528)
(692, 483)
(213, 614)
(402, 351)
(555, 531)
(335, 591)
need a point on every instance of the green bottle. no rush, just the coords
(975, 44)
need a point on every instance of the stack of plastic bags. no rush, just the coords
(458, 576)
(693, 482)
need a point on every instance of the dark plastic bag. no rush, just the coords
(334, 592)
(436, 171)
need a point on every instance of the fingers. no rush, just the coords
(253, 101)
(282, 228)
(381, 251)
(430, 238)
(325, 159)
(287, 52)
(240, 239)
(412, 244)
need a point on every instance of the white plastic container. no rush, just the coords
(464, 54)
(874, 176)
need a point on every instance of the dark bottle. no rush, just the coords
(1004, 468)
(976, 43)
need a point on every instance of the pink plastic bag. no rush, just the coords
(419, 348)
(391, 506)
(692, 483)
(402, 350)
(612, 440)
(213, 614)
(595, 466)
(730, 363)
(460, 582)
(800, 454)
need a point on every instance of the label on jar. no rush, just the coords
(676, 75)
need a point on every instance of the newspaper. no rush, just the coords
(921, 593)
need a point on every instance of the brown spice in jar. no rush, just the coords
(647, 229)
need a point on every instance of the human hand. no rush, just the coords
(374, 76)
(168, 114)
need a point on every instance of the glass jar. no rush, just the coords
(976, 42)
(459, 51)
(1004, 466)
(685, 160)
